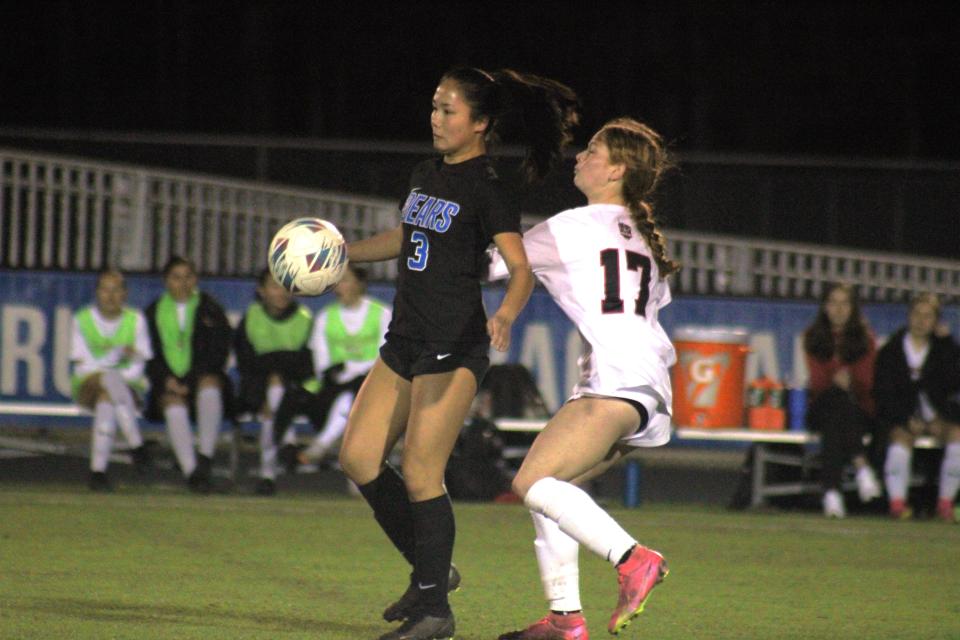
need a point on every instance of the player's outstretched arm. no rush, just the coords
(383, 246)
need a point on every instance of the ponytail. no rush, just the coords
(533, 112)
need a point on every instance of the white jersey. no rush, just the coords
(353, 319)
(86, 363)
(601, 272)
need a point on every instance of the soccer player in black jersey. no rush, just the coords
(435, 354)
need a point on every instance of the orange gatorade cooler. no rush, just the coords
(708, 377)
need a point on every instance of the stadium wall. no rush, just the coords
(36, 307)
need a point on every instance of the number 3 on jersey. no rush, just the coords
(421, 252)
(610, 261)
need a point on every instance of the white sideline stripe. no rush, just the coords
(22, 444)
(41, 409)
(716, 435)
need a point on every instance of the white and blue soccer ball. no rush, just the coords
(308, 256)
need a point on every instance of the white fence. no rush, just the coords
(725, 266)
(62, 213)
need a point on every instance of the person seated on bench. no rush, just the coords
(272, 357)
(916, 384)
(840, 352)
(109, 346)
(190, 336)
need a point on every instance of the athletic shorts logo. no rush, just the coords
(441, 356)
(424, 587)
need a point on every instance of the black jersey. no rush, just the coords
(449, 219)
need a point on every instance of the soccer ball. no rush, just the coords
(308, 256)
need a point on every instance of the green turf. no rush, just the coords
(144, 564)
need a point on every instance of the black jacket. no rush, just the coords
(211, 343)
(896, 394)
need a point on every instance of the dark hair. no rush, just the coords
(536, 113)
(110, 271)
(854, 338)
(177, 261)
(640, 149)
(359, 273)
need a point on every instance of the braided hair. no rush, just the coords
(640, 149)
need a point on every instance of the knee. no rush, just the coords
(422, 480)
(208, 381)
(358, 465)
(902, 437)
(521, 484)
(171, 399)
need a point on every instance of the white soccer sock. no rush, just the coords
(101, 441)
(209, 418)
(126, 411)
(274, 397)
(580, 518)
(950, 472)
(178, 429)
(896, 471)
(268, 450)
(557, 558)
(335, 426)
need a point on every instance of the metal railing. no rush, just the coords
(732, 266)
(60, 213)
(63, 213)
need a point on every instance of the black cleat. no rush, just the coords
(288, 455)
(99, 482)
(266, 487)
(199, 481)
(424, 627)
(402, 608)
(142, 461)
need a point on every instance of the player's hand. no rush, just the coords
(916, 425)
(498, 328)
(842, 379)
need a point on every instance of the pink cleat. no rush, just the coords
(900, 510)
(572, 626)
(639, 574)
(945, 511)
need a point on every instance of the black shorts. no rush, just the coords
(410, 358)
(642, 410)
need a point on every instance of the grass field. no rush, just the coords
(144, 564)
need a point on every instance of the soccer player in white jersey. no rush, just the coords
(605, 265)
(109, 346)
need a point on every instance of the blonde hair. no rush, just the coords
(640, 149)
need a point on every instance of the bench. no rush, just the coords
(765, 454)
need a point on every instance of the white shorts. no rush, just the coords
(657, 431)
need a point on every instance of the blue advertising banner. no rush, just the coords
(36, 309)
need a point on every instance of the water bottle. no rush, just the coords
(631, 483)
(797, 397)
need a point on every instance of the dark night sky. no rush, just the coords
(860, 79)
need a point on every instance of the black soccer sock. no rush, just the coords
(387, 496)
(435, 532)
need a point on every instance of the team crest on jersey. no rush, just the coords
(625, 230)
